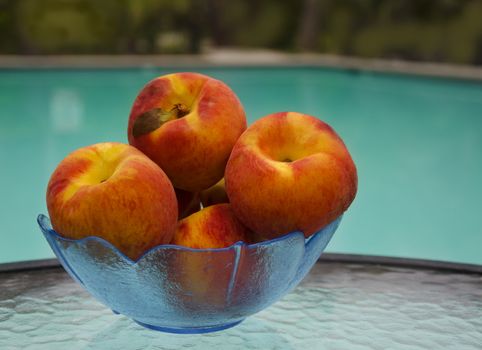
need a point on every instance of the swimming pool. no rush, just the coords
(417, 143)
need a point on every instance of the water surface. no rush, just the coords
(417, 143)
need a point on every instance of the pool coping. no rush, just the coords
(425, 264)
(231, 58)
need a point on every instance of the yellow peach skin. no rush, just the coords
(289, 172)
(204, 275)
(113, 191)
(212, 227)
(187, 123)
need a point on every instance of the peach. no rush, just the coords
(214, 195)
(113, 191)
(187, 123)
(212, 227)
(289, 172)
(188, 202)
(204, 276)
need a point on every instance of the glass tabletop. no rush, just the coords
(338, 306)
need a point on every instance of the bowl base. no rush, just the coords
(194, 330)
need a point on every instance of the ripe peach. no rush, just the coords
(187, 123)
(113, 191)
(212, 227)
(289, 172)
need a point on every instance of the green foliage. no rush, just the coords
(452, 37)
(8, 36)
(443, 30)
(52, 26)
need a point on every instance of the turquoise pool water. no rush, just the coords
(417, 143)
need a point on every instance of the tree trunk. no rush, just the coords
(309, 25)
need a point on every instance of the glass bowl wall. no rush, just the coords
(183, 290)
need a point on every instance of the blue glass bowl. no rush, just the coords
(182, 290)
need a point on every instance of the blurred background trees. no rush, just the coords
(429, 30)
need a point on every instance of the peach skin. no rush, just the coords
(289, 172)
(212, 227)
(187, 123)
(113, 191)
(204, 273)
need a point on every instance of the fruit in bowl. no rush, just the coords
(115, 192)
(157, 234)
(183, 290)
(289, 172)
(187, 123)
(215, 226)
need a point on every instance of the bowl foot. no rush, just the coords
(194, 330)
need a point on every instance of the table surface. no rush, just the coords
(338, 306)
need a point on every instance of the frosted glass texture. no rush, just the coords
(183, 290)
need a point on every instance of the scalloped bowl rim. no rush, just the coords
(45, 223)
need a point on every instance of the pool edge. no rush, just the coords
(244, 58)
